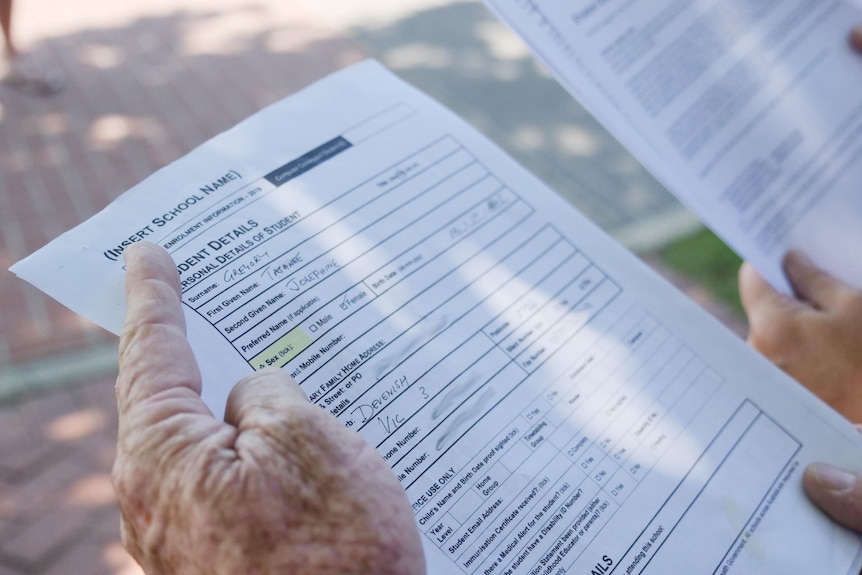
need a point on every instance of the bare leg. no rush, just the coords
(21, 71)
(6, 25)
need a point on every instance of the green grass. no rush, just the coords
(705, 259)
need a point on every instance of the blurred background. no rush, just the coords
(146, 81)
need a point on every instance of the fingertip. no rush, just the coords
(856, 38)
(830, 478)
(145, 260)
(836, 491)
(745, 269)
(153, 292)
(267, 390)
(797, 267)
(752, 287)
(143, 249)
(132, 250)
(747, 273)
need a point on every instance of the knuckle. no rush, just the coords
(131, 483)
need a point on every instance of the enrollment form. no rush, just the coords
(749, 111)
(548, 403)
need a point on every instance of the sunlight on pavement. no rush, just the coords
(528, 138)
(110, 129)
(102, 56)
(92, 491)
(374, 12)
(502, 43)
(418, 54)
(577, 140)
(76, 425)
(224, 33)
(119, 561)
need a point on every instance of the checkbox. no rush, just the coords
(312, 328)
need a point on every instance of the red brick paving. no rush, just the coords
(148, 80)
(57, 508)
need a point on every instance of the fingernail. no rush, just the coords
(856, 38)
(833, 478)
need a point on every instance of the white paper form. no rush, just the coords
(749, 112)
(548, 403)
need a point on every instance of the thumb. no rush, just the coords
(263, 398)
(837, 492)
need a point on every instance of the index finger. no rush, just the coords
(159, 377)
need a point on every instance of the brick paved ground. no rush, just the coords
(148, 80)
(57, 509)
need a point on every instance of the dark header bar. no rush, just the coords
(307, 161)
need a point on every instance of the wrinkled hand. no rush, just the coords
(278, 487)
(815, 337)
